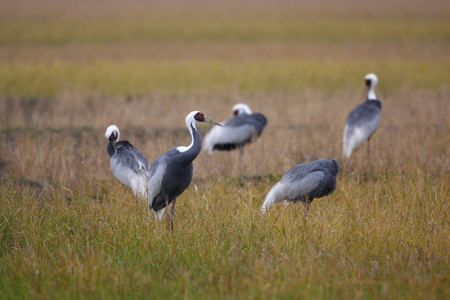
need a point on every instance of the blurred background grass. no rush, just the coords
(60, 31)
(139, 49)
(214, 77)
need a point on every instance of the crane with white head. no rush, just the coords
(363, 120)
(243, 128)
(172, 172)
(128, 164)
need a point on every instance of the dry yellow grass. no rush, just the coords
(383, 233)
(301, 127)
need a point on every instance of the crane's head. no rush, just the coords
(241, 108)
(371, 80)
(335, 166)
(198, 116)
(112, 133)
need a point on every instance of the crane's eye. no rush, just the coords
(199, 117)
(236, 112)
(367, 81)
(112, 137)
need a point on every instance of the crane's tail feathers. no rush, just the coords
(353, 137)
(346, 147)
(160, 213)
(274, 196)
(347, 151)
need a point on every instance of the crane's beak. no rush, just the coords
(366, 89)
(212, 122)
(113, 143)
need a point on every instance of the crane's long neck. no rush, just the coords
(191, 152)
(371, 93)
(111, 147)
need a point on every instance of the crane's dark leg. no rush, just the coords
(307, 204)
(368, 149)
(168, 214)
(172, 213)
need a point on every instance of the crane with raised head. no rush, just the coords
(172, 172)
(363, 120)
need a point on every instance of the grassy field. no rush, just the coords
(69, 229)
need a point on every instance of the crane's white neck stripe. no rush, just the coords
(371, 94)
(184, 148)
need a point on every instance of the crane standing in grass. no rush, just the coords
(172, 172)
(363, 120)
(243, 128)
(128, 164)
(304, 183)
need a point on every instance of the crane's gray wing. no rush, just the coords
(156, 174)
(293, 187)
(361, 124)
(236, 121)
(299, 183)
(235, 132)
(242, 128)
(365, 118)
(131, 157)
(229, 135)
(259, 121)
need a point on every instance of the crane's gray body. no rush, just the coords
(171, 174)
(235, 132)
(129, 165)
(305, 182)
(363, 120)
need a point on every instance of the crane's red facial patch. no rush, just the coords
(111, 137)
(368, 82)
(235, 112)
(199, 117)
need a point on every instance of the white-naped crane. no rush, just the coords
(243, 128)
(172, 172)
(304, 182)
(363, 120)
(128, 164)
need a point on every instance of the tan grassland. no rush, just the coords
(69, 229)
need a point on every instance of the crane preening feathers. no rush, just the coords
(243, 128)
(304, 182)
(128, 164)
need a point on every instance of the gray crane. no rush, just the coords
(128, 164)
(363, 120)
(244, 127)
(172, 172)
(304, 182)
